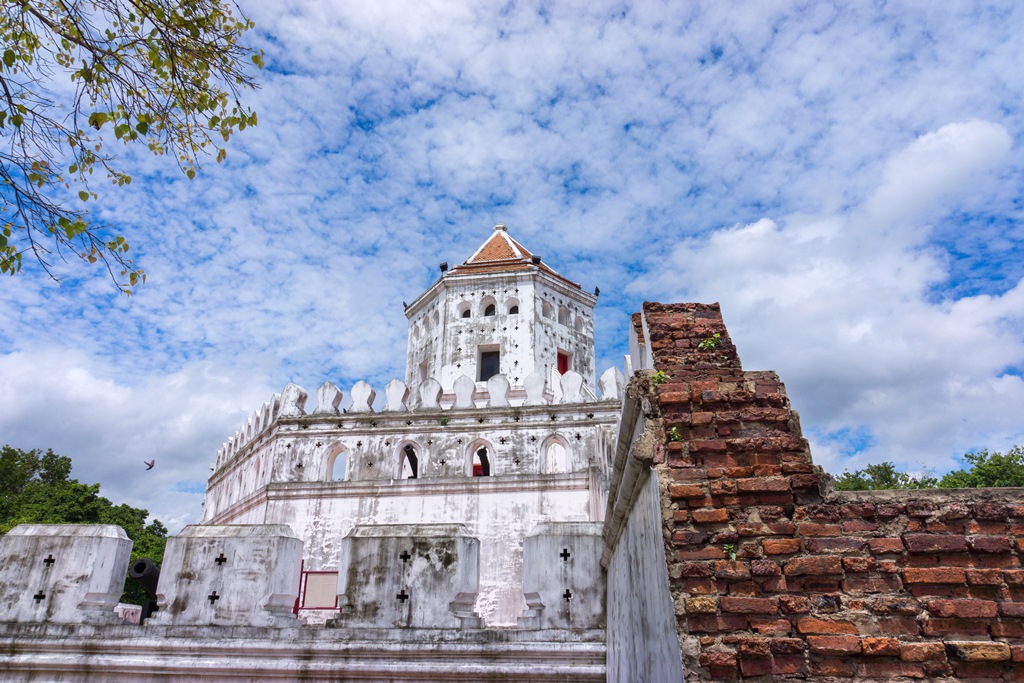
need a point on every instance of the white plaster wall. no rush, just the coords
(499, 514)
(642, 643)
(528, 341)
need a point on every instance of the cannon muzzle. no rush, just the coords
(145, 573)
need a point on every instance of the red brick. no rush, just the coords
(834, 645)
(858, 564)
(1012, 609)
(801, 566)
(817, 529)
(787, 646)
(881, 669)
(756, 666)
(723, 659)
(984, 577)
(794, 604)
(704, 445)
(942, 628)
(721, 487)
(884, 546)
(771, 627)
(968, 609)
(826, 627)
(934, 575)
(765, 568)
(975, 651)
(780, 546)
(710, 516)
(990, 544)
(732, 571)
(707, 623)
(922, 652)
(749, 605)
(832, 666)
(787, 664)
(934, 543)
(687, 490)
(881, 647)
(991, 511)
(759, 484)
(898, 626)
(835, 545)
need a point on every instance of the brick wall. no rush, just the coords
(824, 585)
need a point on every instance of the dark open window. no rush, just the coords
(514, 310)
(489, 310)
(466, 313)
(490, 362)
(481, 464)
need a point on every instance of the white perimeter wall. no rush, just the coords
(642, 642)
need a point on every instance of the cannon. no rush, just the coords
(146, 573)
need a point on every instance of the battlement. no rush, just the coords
(456, 393)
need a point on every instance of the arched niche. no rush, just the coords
(480, 458)
(555, 455)
(337, 463)
(563, 315)
(547, 310)
(410, 460)
(464, 310)
(512, 306)
(488, 306)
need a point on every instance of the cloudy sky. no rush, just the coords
(846, 179)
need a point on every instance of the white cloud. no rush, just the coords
(868, 157)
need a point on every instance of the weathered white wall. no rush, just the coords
(642, 643)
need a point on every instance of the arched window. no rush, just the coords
(547, 310)
(513, 310)
(512, 306)
(488, 306)
(556, 456)
(563, 315)
(481, 462)
(337, 464)
(465, 310)
(467, 313)
(489, 310)
(410, 462)
(578, 324)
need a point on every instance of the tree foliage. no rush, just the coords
(986, 470)
(78, 79)
(881, 476)
(36, 488)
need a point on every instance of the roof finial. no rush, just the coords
(500, 228)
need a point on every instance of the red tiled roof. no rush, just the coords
(500, 253)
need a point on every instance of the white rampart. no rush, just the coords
(460, 392)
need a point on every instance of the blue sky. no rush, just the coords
(844, 178)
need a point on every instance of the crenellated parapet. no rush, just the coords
(460, 392)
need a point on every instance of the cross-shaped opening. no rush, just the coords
(220, 560)
(405, 556)
(402, 597)
(565, 554)
(213, 597)
(49, 561)
(442, 462)
(39, 597)
(567, 595)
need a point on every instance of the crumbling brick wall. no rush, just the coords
(824, 585)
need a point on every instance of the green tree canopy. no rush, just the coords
(36, 488)
(986, 470)
(79, 78)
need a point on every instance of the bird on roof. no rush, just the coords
(150, 463)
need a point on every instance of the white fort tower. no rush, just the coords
(472, 495)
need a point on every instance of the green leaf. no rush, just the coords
(83, 195)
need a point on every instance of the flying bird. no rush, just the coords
(149, 463)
